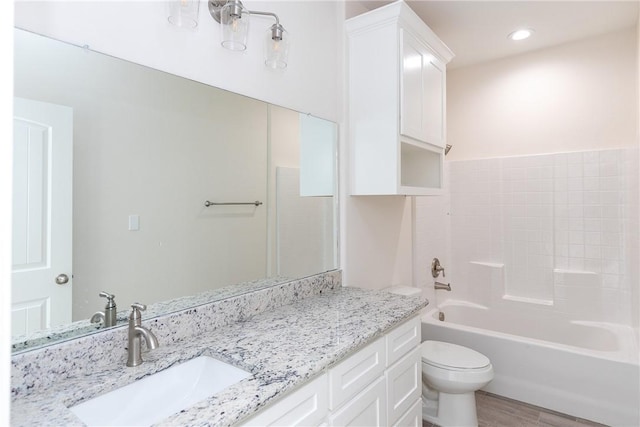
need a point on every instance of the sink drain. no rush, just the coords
(441, 316)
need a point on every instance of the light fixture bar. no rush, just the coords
(216, 5)
(234, 20)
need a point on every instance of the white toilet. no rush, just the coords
(450, 376)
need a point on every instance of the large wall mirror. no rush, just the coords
(131, 155)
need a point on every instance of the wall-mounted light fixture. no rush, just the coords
(183, 13)
(234, 22)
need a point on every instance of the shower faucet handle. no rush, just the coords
(436, 268)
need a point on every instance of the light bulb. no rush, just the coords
(235, 26)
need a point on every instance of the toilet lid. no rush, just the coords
(451, 355)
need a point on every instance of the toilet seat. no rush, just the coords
(452, 357)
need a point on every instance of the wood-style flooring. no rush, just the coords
(498, 411)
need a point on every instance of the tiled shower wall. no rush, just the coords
(557, 231)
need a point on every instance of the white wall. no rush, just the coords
(432, 239)
(138, 31)
(572, 97)
(6, 157)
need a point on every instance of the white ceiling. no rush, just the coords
(477, 30)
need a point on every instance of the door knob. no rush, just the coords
(62, 279)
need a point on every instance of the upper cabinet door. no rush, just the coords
(422, 92)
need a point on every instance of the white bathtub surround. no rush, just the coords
(557, 231)
(583, 368)
(282, 348)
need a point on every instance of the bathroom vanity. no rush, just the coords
(312, 348)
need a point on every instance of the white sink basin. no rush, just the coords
(160, 395)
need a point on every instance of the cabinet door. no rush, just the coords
(368, 408)
(404, 385)
(351, 375)
(422, 92)
(307, 406)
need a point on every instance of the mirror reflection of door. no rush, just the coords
(42, 216)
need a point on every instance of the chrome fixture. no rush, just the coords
(62, 279)
(436, 268)
(136, 333)
(234, 21)
(208, 203)
(447, 148)
(446, 287)
(108, 316)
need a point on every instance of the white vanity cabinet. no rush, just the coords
(379, 385)
(397, 103)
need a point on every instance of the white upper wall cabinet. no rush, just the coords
(396, 89)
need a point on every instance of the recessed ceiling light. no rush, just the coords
(521, 34)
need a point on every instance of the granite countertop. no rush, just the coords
(282, 348)
(84, 327)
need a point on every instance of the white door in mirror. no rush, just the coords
(42, 204)
(158, 396)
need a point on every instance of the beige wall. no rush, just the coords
(158, 148)
(635, 258)
(283, 128)
(576, 96)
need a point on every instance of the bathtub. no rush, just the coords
(585, 369)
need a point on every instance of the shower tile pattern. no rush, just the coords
(561, 227)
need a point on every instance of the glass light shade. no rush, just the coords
(276, 47)
(183, 13)
(234, 24)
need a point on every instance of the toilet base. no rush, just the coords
(451, 410)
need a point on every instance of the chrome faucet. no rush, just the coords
(136, 333)
(108, 316)
(439, 285)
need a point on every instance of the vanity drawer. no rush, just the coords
(413, 417)
(353, 374)
(306, 406)
(368, 408)
(404, 385)
(402, 339)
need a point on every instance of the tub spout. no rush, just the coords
(439, 285)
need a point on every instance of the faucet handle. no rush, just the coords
(138, 306)
(106, 295)
(136, 314)
(111, 303)
(436, 268)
